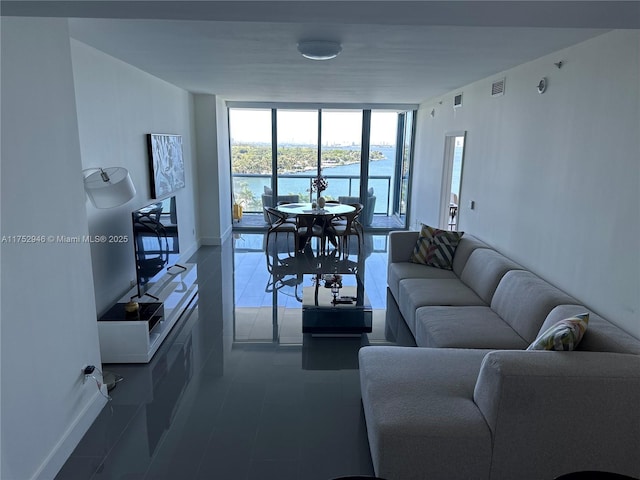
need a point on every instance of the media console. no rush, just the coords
(135, 338)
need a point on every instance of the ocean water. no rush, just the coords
(291, 185)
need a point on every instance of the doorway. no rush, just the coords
(454, 143)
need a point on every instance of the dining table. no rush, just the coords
(322, 217)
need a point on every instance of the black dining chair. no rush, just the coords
(278, 223)
(345, 228)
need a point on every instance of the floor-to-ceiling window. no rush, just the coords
(382, 162)
(363, 154)
(341, 152)
(406, 130)
(297, 157)
(251, 156)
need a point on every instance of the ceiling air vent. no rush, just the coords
(497, 88)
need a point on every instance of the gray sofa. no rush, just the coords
(472, 402)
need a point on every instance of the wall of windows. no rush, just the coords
(277, 152)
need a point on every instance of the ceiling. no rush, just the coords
(393, 51)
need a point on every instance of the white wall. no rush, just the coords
(118, 105)
(555, 177)
(49, 332)
(224, 169)
(214, 174)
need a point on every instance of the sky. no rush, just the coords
(295, 126)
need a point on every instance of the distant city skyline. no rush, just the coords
(339, 127)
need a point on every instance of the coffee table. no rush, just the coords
(350, 313)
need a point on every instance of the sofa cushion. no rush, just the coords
(420, 292)
(564, 335)
(465, 327)
(601, 336)
(467, 245)
(436, 247)
(421, 419)
(484, 270)
(401, 243)
(400, 270)
(524, 300)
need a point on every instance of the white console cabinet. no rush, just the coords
(137, 340)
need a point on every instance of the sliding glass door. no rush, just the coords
(382, 160)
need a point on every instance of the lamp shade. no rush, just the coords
(109, 187)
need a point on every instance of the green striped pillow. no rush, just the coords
(436, 247)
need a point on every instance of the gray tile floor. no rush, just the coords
(237, 391)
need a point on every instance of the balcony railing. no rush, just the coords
(248, 189)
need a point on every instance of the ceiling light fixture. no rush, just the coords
(319, 49)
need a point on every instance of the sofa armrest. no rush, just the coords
(552, 413)
(401, 244)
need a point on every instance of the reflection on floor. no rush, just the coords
(237, 391)
(381, 223)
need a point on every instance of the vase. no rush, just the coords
(321, 202)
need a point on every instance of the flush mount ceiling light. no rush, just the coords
(319, 49)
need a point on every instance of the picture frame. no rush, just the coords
(166, 165)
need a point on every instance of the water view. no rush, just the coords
(344, 179)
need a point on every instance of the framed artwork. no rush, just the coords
(166, 166)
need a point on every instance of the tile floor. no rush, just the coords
(237, 391)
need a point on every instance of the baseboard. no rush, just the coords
(187, 254)
(69, 441)
(217, 241)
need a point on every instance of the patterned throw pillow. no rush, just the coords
(436, 247)
(564, 335)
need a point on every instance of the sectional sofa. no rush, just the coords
(469, 401)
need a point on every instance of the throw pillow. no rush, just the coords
(436, 247)
(268, 190)
(564, 335)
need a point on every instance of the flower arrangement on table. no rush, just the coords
(319, 184)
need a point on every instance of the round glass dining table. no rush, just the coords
(330, 209)
(321, 217)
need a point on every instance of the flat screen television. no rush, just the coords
(155, 239)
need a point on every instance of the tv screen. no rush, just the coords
(155, 238)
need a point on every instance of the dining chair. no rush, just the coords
(307, 227)
(357, 224)
(278, 223)
(345, 228)
(285, 276)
